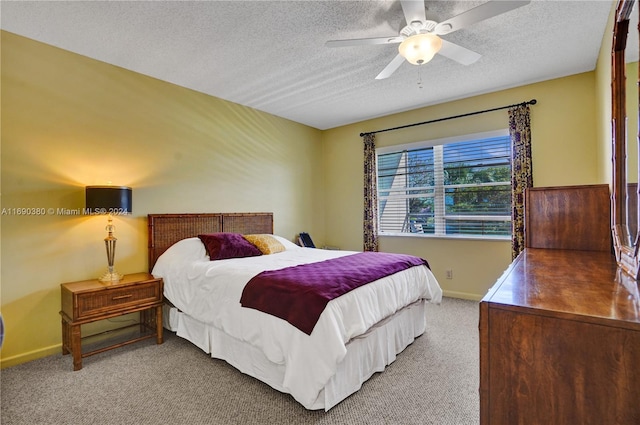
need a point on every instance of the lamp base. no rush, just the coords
(111, 277)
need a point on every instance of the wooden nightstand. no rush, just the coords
(91, 300)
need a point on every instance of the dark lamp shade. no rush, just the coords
(108, 200)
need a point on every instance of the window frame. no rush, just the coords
(439, 142)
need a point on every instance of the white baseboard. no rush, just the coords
(462, 295)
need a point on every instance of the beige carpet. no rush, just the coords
(434, 381)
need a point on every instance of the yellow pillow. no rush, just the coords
(266, 243)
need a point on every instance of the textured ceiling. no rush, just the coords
(271, 55)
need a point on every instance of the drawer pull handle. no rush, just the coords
(121, 297)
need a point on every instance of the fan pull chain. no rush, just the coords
(419, 77)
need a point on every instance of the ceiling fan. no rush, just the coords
(419, 39)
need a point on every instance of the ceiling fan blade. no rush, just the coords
(413, 10)
(477, 14)
(391, 68)
(458, 53)
(364, 41)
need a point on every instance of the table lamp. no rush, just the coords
(111, 200)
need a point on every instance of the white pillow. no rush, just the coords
(286, 242)
(183, 251)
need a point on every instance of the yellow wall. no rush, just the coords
(69, 121)
(603, 104)
(565, 152)
(571, 137)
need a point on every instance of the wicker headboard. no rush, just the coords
(167, 229)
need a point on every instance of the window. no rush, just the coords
(458, 187)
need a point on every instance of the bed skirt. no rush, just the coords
(366, 354)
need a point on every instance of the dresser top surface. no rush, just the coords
(585, 283)
(95, 285)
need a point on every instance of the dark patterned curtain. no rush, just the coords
(522, 172)
(370, 234)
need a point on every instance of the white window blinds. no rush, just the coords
(458, 188)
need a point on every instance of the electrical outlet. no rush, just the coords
(449, 274)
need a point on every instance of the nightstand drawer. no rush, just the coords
(113, 299)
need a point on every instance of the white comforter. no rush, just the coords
(210, 291)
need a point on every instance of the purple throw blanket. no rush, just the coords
(299, 294)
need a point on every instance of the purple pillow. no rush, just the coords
(221, 246)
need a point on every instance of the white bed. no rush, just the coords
(357, 334)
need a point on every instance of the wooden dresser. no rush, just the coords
(560, 330)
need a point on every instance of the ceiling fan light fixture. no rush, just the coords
(420, 48)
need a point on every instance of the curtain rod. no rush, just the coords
(531, 102)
